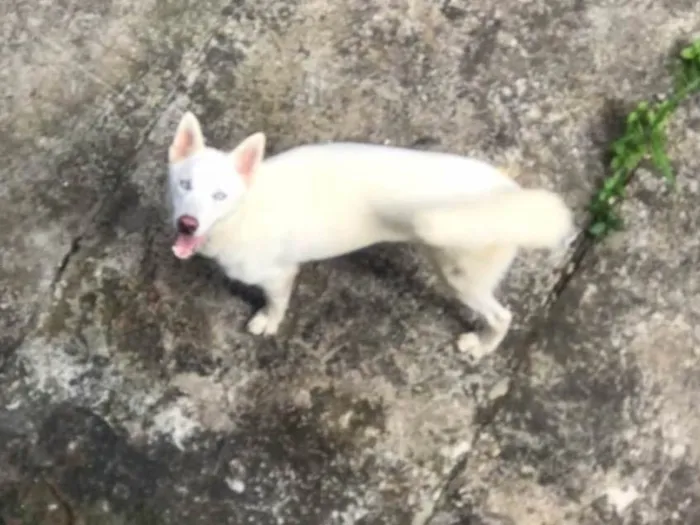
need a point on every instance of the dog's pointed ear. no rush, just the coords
(248, 155)
(188, 138)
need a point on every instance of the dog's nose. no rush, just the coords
(187, 225)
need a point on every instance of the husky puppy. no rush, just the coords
(260, 219)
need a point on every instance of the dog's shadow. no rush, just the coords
(402, 271)
(209, 271)
(399, 271)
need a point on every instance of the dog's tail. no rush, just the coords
(527, 218)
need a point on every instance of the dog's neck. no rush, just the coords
(229, 227)
(232, 227)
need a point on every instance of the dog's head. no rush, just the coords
(206, 184)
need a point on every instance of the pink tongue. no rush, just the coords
(185, 246)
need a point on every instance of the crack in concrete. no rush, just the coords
(519, 359)
(485, 417)
(74, 250)
(12, 347)
(65, 261)
(582, 247)
(99, 208)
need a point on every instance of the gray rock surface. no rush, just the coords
(130, 392)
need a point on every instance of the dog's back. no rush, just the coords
(397, 179)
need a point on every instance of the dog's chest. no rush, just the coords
(249, 264)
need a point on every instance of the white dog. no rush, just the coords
(261, 219)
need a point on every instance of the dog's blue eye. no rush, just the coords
(186, 184)
(219, 196)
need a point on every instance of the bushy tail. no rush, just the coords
(527, 218)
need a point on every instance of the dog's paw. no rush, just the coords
(471, 345)
(262, 324)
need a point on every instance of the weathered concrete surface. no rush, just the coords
(602, 424)
(82, 87)
(131, 392)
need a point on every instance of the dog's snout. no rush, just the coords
(187, 225)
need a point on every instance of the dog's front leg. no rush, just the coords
(277, 290)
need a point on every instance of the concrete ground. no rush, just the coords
(130, 392)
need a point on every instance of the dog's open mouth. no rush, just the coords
(185, 246)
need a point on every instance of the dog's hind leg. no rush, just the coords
(474, 276)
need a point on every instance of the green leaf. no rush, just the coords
(610, 184)
(633, 160)
(598, 229)
(665, 107)
(659, 157)
(619, 148)
(634, 136)
(615, 222)
(644, 137)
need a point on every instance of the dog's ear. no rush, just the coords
(188, 138)
(248, 155)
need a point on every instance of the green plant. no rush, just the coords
(645, 138)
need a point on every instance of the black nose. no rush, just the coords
(187, 225)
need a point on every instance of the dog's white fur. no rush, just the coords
(260, 220)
